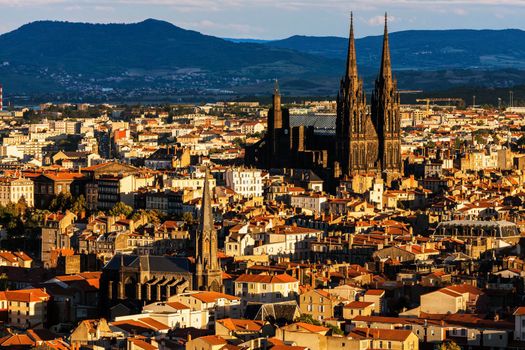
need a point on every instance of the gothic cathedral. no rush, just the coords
(367, 139)
(368, 142)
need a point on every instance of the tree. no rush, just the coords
(153, 216)
(79, 204)
(4, 282)
(448, 345)
(121, 209)
(21, 206)
(62, 202)
(188, 218)
(305, 318)
(335, 329)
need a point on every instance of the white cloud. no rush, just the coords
(380, 20)
(234, 29)
(292, 4)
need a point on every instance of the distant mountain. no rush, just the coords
(251, 41)
(155, 59)
(424, 50)
(122, 54)
(102, 49)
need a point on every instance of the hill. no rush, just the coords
(424, 49)
(152, 50)
(160, 61)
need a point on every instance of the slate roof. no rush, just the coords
(153, 262)
(285, 311)
(317, 121)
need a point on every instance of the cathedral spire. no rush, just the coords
(351, 63)
(386, 67)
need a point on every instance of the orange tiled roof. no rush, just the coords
(358, 305)
(27, 295)
(241, 325)
(284, 278)
(213, 340)
(383, 334)
(311, 327)
(210, 297)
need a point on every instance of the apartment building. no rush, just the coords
(12, 190)
(246, 182)
(266, 288)
(26, 308)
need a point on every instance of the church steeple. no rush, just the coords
(351, 61)
(206, 220)
(386, 65)
(208, 271)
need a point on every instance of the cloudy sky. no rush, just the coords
(273, 19)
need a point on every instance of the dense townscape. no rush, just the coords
(347, 224)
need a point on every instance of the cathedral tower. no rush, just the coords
(386, 115)
(356, 137)
(208, 270)
(278, 131)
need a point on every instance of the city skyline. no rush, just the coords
(269, 19)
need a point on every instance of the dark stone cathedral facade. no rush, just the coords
(367, 140)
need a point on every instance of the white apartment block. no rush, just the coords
(312, 203)
(13, 189)
(246, 182)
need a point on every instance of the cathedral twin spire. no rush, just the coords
(351, 67)
(360, 135)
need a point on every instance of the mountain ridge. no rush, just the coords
(158, 57)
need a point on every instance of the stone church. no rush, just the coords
(137, 279)
(366, 141)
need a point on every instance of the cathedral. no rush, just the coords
(367, 139)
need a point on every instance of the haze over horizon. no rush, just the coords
(271, 19)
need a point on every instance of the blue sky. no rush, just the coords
(272, 19)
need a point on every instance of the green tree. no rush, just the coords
(79, 204)
(62, 202)
(4, 282)
(188, 218)
(335, 329)
(305, 318)
(153, 216)
(21, 206)
(121, 209)
(448, 345)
